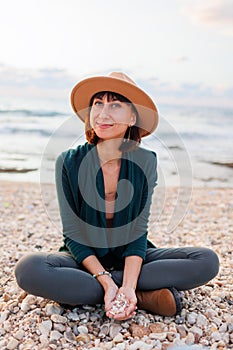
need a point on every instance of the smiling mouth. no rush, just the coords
(104, 126)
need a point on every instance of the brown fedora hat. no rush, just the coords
(120, 83)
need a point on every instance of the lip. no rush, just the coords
(104, 126)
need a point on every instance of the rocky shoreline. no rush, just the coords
(29, 322)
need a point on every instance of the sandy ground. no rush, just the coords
(28, 322)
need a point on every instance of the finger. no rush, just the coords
(131, 307)
(120, 317)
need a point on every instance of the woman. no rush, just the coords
(104, 190)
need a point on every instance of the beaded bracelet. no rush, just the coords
(102, 273)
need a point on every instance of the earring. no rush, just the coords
(128, 134)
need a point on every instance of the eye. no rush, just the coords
(115, 105)
(98, 103)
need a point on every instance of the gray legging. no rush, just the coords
(58, 277)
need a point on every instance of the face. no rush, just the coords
(111, 118)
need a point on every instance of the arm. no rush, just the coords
(68, 212)
(132, 270)
(92, 264)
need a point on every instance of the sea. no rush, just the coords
(193, 144)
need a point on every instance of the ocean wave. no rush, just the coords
(24, 131)
(32, 113)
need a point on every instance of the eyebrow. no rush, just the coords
(109, 98)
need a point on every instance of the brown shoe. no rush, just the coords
(164, 302)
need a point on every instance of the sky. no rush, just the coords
(180, 51)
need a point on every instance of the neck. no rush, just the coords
(108, 150)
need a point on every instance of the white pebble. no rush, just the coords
(73, 316)
(191, 317)
(118, 338)
(45, 327)
(58, 318)
(51, 309)
(19, 334)
(120, 346)
(55, 335)
(216, 336)
(83, 330)
(12, 344)
(140, 345)
(114, 329)
(59, 327)
(201, 321)
(158, 336)
(3, 316)
(190, 339)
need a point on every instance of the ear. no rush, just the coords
(132, 119)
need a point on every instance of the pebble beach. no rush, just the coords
(29, 322)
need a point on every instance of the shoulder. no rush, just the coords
(146, 152)
(74, 156)
(144, 156)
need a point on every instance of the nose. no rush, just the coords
(105, 109)
(104, 113)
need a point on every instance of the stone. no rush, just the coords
(191, 318)
(69, 336)
(138, 330)
(190, 339)
(19, 334)
(83, 329)
(118, 338)
(7, 326)
(223, 328)
(158, 336)
(171, 336)
(58, 318)
(59, 327)
(197, 332)
(230, 327)
(114, 329)
(44, 341)
(12, 344)
(107, 345)
(51, 309)
(45, 327)
(156, 327)
(104, 330)
(201, 321)
(182, 330)
(85, 338)
(73, 316)
(216, 336)
(140, 345)
(120, 346)
(55, 335)
(3, 316)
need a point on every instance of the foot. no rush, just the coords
(164, 302)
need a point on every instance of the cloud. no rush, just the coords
(181, 59)
(42, 78)
(217, 14)
(56, 84)
(196, 94)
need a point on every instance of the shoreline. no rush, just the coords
(206, 318)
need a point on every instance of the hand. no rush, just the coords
(110, 294)
(130, 309)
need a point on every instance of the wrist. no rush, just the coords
(129, 286)
(106, 281)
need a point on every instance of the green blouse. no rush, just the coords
(80, 190)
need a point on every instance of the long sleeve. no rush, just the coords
(68, 213)
(139, 246)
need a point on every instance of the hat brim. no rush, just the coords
(84, 90)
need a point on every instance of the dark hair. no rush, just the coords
(132, 133)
